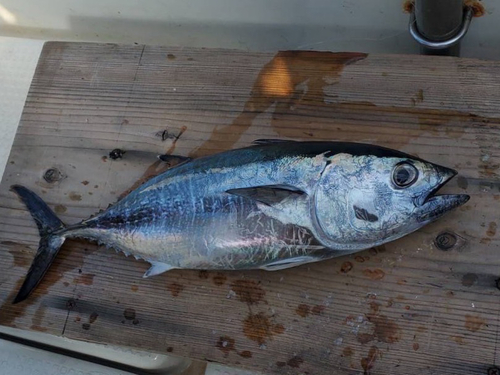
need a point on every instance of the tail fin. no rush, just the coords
(50, 242)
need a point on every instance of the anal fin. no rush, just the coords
(157, 268)
(288, 263)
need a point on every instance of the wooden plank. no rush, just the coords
(405, 308)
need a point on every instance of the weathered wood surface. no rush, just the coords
(405, 308)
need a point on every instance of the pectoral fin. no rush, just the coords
(269, 195)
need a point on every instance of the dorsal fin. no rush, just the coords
(269, 194)
(270, 141)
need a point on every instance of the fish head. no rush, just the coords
(364, 201)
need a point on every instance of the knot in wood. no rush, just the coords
(493, 371)
(445, 241)
(52, 175)
(117, 153)
(70, 304)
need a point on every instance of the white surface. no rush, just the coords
(162, 364)
(16, 359)
(347, 25)
(18, 59)
(215, 369)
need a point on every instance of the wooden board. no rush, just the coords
(404, 308)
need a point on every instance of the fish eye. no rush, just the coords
(404, 174)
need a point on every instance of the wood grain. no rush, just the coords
(405, 308)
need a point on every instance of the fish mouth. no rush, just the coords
(432, 206)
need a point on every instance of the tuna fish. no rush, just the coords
(273, 205)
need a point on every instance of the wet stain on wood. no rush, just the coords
(318, 309)
(129, 314)
(84, 278)
(474, 323)
(36, 321)
(375, 274)
(347, 352)
(287, 86)
(203, 274)
(302, 310)
(219, 278)
(418, 98)
(385, 329)
(280, 82)
(458, 339)
(175, 289)
(295, 362)
(492, 229)
(364, 338)
(346, 267)
(485, 241)
(248, 291)
(368, 362)
(469, 279)
(22, 254)
(278, 329)
(359, 259)
(8, 311)
(93, 317)
(259, 328)
(245, 354)
(75, 196)
(374, 307)
(60, 209)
